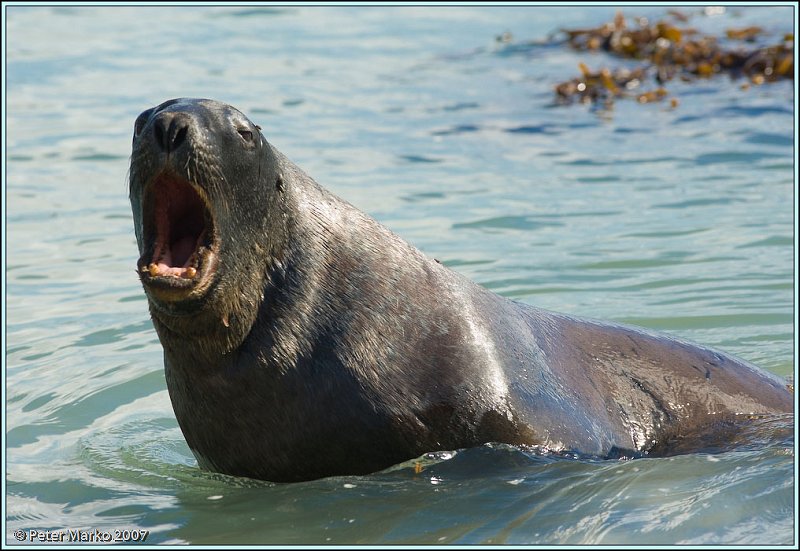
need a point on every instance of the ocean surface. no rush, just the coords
(677, 218)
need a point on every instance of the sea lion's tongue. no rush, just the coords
(182, 249)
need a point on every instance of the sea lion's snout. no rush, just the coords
(171, 170)
(170, 129)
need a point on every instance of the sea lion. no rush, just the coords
(302, 339)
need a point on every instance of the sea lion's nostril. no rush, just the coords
(160, 133)
(177, 133)
(170, 130)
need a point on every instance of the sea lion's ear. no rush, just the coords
(279, 182)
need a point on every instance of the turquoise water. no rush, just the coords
(677, 219)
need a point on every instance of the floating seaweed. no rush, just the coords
(667, 51)
(604, 86)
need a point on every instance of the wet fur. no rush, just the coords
(328, 345)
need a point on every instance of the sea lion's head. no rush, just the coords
(204, 189)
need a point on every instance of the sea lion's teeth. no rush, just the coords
(153, 269)
(190, 272)
(144, 268)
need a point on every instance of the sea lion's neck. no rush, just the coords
(205, 335)
(201, 341)
(338, 342)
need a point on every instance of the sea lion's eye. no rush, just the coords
(246, 134)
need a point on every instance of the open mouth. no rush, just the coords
(179, 236)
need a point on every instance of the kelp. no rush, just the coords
(669, 50)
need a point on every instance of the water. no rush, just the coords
(676, 219)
